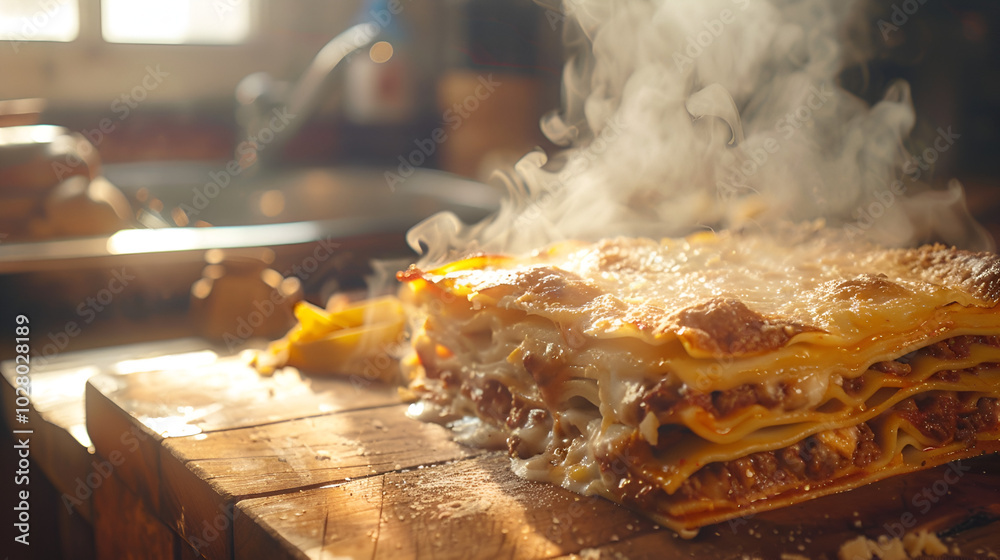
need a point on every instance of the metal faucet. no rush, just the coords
(262, 101)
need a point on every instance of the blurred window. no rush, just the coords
(39, 20)
(165, 22)
(176, 22)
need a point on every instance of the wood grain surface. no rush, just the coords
(478, 509)
(204, 476)
(60, 443)
(125, 529)
(296, 467)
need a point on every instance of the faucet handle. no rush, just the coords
(255, 88)
(259, 95)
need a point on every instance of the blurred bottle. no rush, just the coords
(380, 85)
(490, 94)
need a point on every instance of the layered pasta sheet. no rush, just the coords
(705, 378)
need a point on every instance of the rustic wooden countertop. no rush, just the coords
(195, 455)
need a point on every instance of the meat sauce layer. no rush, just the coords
(943, 416)
(666, 398)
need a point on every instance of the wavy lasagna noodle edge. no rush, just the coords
(711, 377)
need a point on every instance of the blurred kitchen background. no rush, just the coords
(230, 113)
(92, 52)
(175, 114)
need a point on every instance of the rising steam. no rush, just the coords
(681, 115)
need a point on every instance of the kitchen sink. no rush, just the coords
(285, 212)
(210, 193)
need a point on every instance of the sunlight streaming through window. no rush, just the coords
(175, 21)
(39, 20)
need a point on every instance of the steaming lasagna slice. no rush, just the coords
(706, 378)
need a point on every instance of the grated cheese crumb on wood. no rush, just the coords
(912, 545)
(923, 543)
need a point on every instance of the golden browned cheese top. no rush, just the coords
(730, 293)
